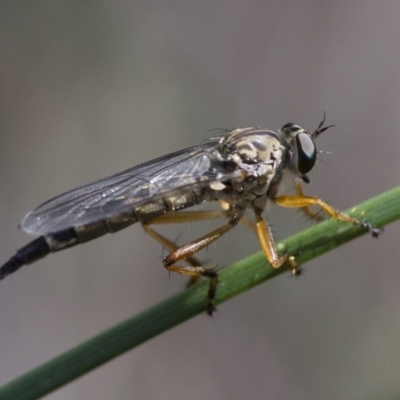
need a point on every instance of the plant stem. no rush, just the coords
(241, 276)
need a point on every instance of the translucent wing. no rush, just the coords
(118, 193)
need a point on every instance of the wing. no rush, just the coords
(118, 193)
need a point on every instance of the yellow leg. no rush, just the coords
(306, 210)
(307, 201)
(267, 243)
(188, 216)
(195, 246)
(248, 223)
(186, 252)
(171, 246)
(268, 246)
(183, 217)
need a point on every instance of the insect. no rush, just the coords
(242, 169)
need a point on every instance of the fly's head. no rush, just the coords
(301, 152)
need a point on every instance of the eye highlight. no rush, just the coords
(305, 152)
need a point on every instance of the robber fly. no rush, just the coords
(241, 169)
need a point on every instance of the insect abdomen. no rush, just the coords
(38, 249)
(65, 238)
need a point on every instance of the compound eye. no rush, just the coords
(291, 128)
(306, 153)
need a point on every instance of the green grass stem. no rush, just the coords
(242, 275)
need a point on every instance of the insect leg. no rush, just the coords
(171, 246)
(186, 251)
(193, 247)
(188, 216)
(268, 246)
(194, 216)
(307, 201)
(248, 223)
(182, 217)
(306, 210)
(195, 269)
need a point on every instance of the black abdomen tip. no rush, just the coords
(27, 255)
(12, 265)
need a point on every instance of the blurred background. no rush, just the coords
(88, 89)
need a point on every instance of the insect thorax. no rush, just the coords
(255, 158)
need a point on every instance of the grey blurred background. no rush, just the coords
(90, 88)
